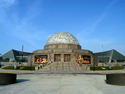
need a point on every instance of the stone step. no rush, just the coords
(65, 66)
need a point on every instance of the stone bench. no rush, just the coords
(7, 78)
(115, 79)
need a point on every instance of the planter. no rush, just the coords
(115, 79)
(7, 78)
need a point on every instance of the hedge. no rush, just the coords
(106, 68)
(20, 67)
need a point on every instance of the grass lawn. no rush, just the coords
(20, 67)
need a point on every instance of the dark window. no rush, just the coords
(67, 57)
(57, 57)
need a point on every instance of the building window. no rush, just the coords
(57, 57)
(67, 57)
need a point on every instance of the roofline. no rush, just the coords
(17, 51)
(106, 51)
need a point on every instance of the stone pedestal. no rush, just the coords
(7, 78)
(115, 79)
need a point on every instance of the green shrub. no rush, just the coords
(106, 68)
(20, 68)
(27, 68)
(117, 68)
(9, 67)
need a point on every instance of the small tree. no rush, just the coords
(1, 59)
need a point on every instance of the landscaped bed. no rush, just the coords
(106, 68)
(20, 68)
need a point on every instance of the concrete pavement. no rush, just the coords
(58, 82)
(61, 84)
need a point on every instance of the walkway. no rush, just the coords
(61, 84)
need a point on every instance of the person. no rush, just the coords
(110, 67)
(15, 66)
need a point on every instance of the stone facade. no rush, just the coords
(62, 47)
(51, 50)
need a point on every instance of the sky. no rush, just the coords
(93, 22)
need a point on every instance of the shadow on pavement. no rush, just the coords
(21, 80)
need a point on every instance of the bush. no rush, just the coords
(106, 68)
(117, 68)
(9, 67)
(27, 68)
(20, 67)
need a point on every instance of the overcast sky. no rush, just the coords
(93, 22)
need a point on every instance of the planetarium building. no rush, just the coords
(62, 47)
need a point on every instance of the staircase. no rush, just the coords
(62, 66)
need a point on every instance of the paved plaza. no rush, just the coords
(41, 83)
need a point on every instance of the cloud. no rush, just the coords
(110, 5)
(87, 42)
(5, 14)
(91, 29)
(20, 25)
(96, 44)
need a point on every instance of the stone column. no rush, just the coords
(72, 59)
(33, 59)
(92, 63)
(29, 59)
(52, 57)
(48, 58)
(62, 57)
(76, 58)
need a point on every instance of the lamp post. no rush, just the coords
(93, 63)
(94, 66)
(22, 55)
(31, 62)
(22, 59)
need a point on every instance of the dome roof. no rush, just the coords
(62, 38)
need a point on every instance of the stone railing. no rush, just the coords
(37, 67)
(112, 64)
(14, 63)
(85, 67)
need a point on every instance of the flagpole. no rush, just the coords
(102, 53)
(22, 54)
(102, 48)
